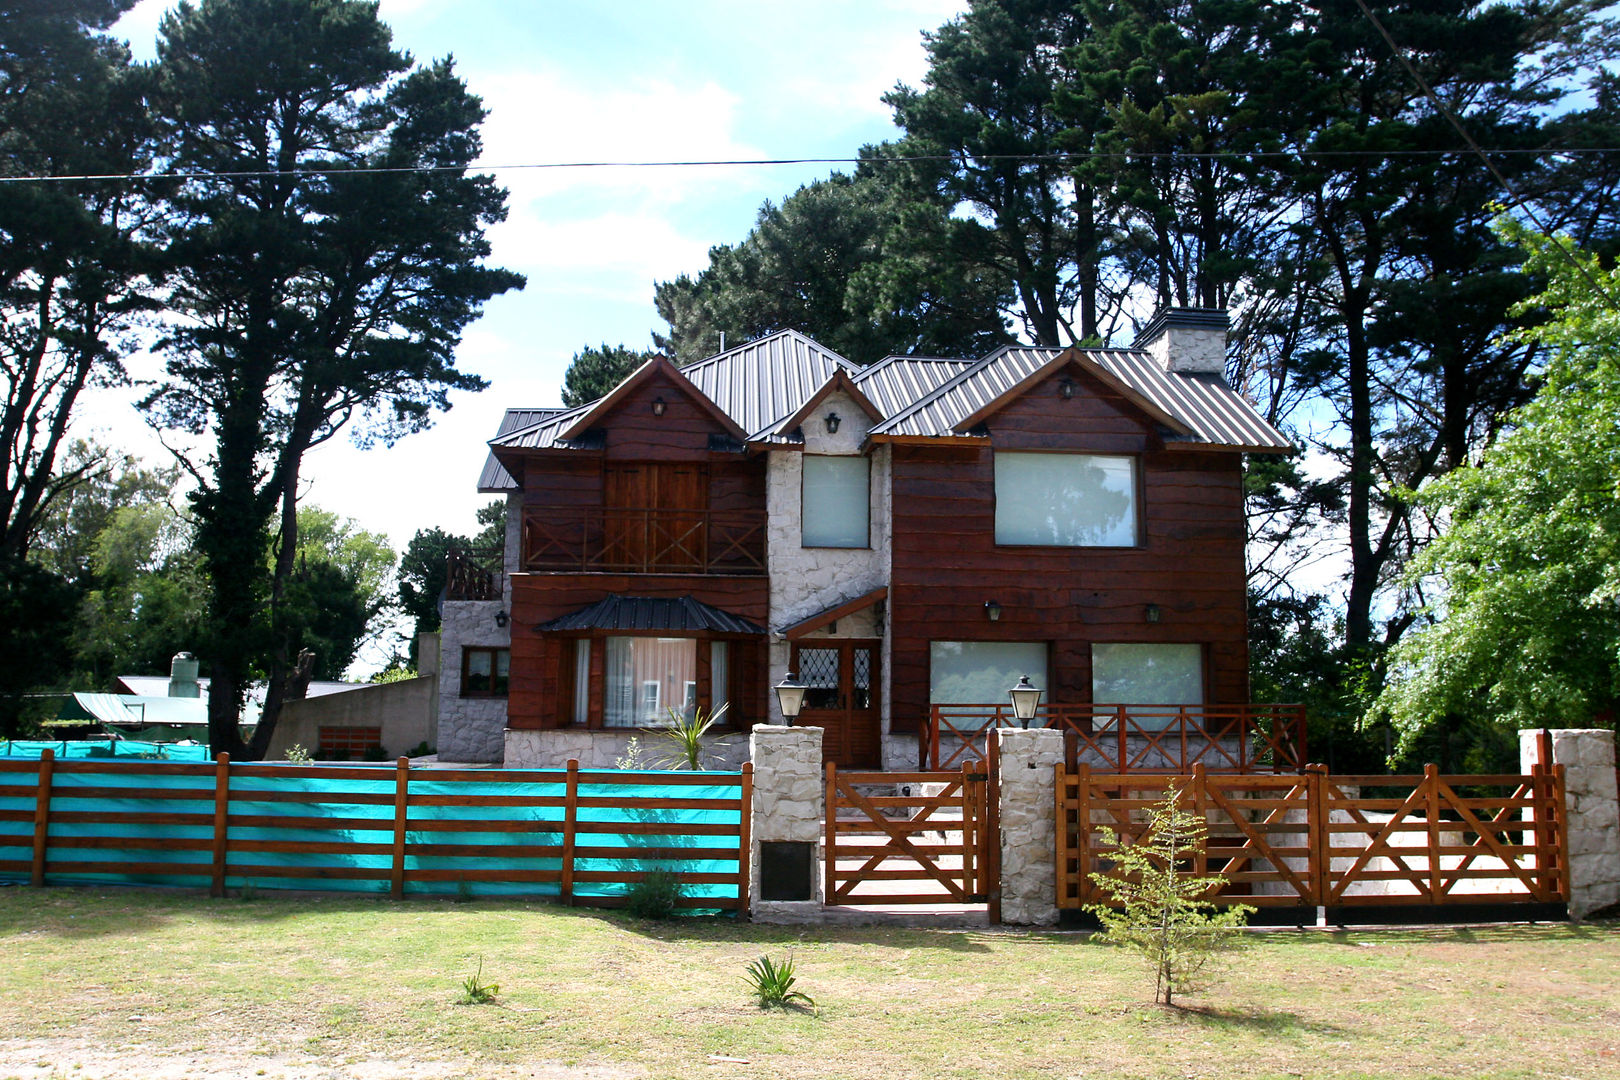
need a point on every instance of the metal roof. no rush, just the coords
(1212, 412)
(764, 382)
(615, 612)
(896, 381)
(495, 479)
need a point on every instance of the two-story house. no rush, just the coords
(908, 536)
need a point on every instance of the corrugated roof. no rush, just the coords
(896, 381)
(761, 383)
(495, 479)
(1209, 410)
(615, 612)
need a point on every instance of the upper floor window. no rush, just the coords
(485, 671)
(1066, 500)
(837, 501)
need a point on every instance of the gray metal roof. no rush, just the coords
(616, 612)
(1212, 412)
(896, 381)
(495, 479)
(763, 382)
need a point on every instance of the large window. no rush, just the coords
(484, 671)
(647, 676)
(981, 672)
(1066, 500)
(1147, 674)
(837, 501)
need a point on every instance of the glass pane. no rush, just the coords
(479, 662)
(981, 672)
(1147, 675)
(836, 501)
(646, 676)
(582, 680)
(1065, 500)
(503, 670)
(860, 678)
(719, 675)
(818, 670)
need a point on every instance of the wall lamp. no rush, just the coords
(1151, 613)
(832, 423)
(502, 618)
(658, 406)
(992, 611)
(1066, 389)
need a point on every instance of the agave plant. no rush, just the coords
(772, 983)
(686, 735)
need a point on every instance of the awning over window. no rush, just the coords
(615, 612)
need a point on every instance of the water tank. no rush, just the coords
(183, 676)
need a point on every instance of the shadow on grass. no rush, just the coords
(1254, 1019)
(1500, 934)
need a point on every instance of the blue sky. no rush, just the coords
(627, 80)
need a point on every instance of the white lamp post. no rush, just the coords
(1024, 700)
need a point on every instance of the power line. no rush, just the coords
(1053, 159)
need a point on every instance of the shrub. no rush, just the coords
(1158, 911)
(686, 735)
(655, 896)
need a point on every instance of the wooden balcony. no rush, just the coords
(1134, 738)
(474, 574)
(629, 541)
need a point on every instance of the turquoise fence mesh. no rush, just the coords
(346, 834)
(103, 748)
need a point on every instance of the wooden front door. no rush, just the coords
(843, 699)
(657, 518)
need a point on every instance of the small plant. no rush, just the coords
(248, 893)
(297, 755)
(686, 735)
(632, 756)
(772, 983)
(476, 990)
(1158, 912)
(464, 891)
(655, 896)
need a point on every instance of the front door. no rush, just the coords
(842, 699)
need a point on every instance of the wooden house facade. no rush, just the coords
(908, 538)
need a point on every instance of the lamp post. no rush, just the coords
(1024, 700)
(790, 696)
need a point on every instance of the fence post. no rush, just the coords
(1200, 784)
(1082, 836)
(1319, 838)
(222, 821)
(990, 840)
(1431, 805)
(829, 857)
(42, 816)
(1124, 746)
(402, 787)
(745, 840)
(570, 819)
(1561, 808)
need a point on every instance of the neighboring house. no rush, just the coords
(917, 533)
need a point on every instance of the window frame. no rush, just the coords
(570, 689)
(803, 509)
(1138, 501)
(495, 653)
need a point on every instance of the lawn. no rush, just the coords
(168, 985)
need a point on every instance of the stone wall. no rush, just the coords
(470, 729)
(789, 804)
(604, 749)
(1594, 812)
(1028, 812)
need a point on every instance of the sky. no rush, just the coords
(564, 80)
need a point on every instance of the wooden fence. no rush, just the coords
(581, 836)
(1316, 840)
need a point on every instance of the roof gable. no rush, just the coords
(838, 382)
(1072, 359)
(654, 369)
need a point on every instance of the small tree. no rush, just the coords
(1158, 911)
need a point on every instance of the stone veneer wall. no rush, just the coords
(604, 749)
(1593, 806)
(789, 804)
(473, 729)
(1028, 813)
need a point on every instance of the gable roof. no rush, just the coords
(838, 382)
(617, 612)
(646, 373)
(495, 480)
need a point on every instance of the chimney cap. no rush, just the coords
(1183, 318)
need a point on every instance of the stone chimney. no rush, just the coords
(183, 676)
(1187, 340)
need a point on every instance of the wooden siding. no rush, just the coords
(946, 563)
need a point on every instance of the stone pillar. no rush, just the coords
(789, 807)
(1028, 813)
(1593, 809)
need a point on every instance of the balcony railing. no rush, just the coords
(1134, 738)
(628, 541)
(474, 574)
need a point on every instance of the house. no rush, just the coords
(908, 537)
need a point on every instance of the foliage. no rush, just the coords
(596, 370)
(36, 626)
(685, 735)
(422, 569)
(73, 275)
(297, 755)
(657, 895)
(772, 983)
(1524, 627)
(475, 991)
(395, 672)
(306, 300)
(1157, 911)
(632, 758)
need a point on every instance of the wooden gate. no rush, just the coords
(930, 842)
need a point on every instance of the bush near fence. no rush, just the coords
(575, 835)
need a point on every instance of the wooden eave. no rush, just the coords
(1077, 359)
(833, 614)
(658, 365)
(929, 440)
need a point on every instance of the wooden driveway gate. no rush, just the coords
(930, 842)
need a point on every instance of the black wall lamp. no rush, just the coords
(658, 406)
(790, 696)
(1066, 388)
(992, 611)
(1025, 699)
(1151, 613)
(833, 421)
(502, 618)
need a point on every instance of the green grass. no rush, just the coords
(287, 985)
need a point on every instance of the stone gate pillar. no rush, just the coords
(788, 816)
(1028, 812)
(1593, 809)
